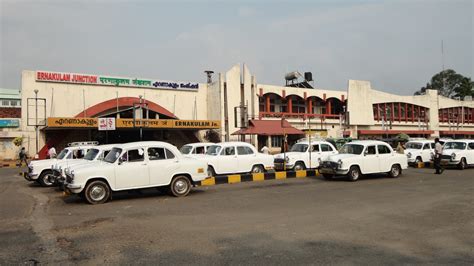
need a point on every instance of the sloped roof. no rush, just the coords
(269, 128)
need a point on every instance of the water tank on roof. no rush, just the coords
(292, 75)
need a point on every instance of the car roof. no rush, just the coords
(313, 142)
(368, 142)
(198, 143)
(138, 144)
(232, 143)
(73, 148)
(460, 140)
(108, 146)
(421, 141)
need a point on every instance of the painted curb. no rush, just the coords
(232, 179)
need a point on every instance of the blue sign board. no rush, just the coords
(9, 123)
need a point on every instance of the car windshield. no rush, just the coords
(91, 154)
(213, 150)
(63, 154)
(352, 149)
(113, 155)
(299, 147)
(455, 145)
(186, 149)
(413, 145)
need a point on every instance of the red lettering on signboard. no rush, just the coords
(66, 77)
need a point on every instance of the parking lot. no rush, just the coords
(419, 218)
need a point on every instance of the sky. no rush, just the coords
(394, 44)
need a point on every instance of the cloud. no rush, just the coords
(395, 45)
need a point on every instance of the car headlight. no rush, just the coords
(409, 155)
(339, 163)
(287, 159)
(319, 160)
(453, 156)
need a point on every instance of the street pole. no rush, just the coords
(141, 118)
(36, 119)
(309, 141)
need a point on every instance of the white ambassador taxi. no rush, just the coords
(364, 157)
(418, 151)
(459, 152)
(192, 149)
(40, 170)
(236, 157)
(96, 153)
(136, 165)
(303, 155)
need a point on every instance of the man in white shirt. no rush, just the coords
(52, 152)
(437, 157)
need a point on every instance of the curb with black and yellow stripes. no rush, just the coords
(232, 179)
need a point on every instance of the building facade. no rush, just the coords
(10, 113)
(60, 107)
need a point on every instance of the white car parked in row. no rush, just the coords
(458, 153)
(136, 165)
(236, 157)
(364, 157)
(302, 155)
(193, 149)
(40, 170)
(418, 151)
(96, 153)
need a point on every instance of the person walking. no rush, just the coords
(22, 157)
(437, 157)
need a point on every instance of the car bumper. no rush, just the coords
(72, 188)
(332, 171)
(30, 176)
(445, 162)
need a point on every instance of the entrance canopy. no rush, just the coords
(269, 128)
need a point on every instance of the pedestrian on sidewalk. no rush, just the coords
(22, 157)
(437, 157)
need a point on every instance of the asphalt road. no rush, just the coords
(419, 218)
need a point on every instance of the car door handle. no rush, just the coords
(143, 163)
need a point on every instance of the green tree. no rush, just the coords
(449, 84)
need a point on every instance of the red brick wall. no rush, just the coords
(10, 112)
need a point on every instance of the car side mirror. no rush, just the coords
(120, 161)
(366, 152)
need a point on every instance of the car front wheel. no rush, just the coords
(299, 166)
(180, 186)
(395, 171)
(257, 169)
(97, 192)
(210, 171)
(46, 179)
(462, 164)
(354, 173)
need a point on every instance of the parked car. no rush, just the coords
(136, 165)
(364, 157)
(40, 170)
(418, 151)
(236, 157)
(96, 153)
(302, 155)
(458, 153)
(192, 149)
